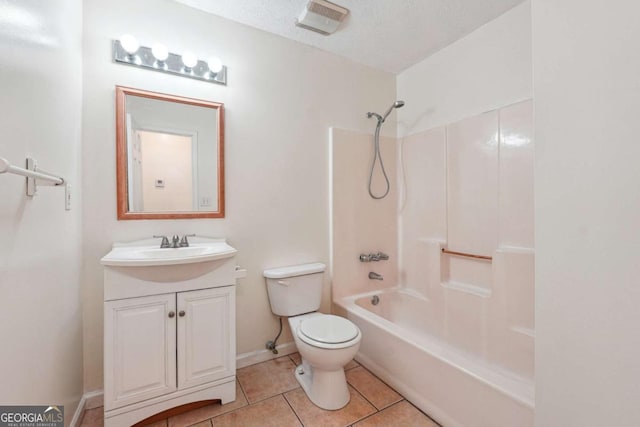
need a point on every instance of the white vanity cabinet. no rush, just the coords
(206, 333)
(169, 337)
(139, 349)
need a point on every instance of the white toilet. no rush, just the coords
(325, 342)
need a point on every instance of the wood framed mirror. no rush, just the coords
(169, 156)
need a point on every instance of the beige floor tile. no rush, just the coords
(351, 365)
(93, 418)
(374, 390)
(401, 414)
(210, 411)
(267, 379)
(206, 423)
(161, 423)
(312, 416)
(296, 358)
(273, 412)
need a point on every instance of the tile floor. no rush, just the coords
(267, 394)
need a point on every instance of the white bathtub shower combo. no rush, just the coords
(451, 324)
(428, 371)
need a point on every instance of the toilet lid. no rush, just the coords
(329, 329)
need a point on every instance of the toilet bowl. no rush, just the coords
(326, 344)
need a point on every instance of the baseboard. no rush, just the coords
(89, 400)
(77, 415)
(253, 357)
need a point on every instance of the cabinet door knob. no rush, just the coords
(172, 314)
(181, 313)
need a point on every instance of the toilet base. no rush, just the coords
(326, 389)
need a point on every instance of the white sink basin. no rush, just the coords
(148, 253)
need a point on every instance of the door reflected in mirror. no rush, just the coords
(170, 156)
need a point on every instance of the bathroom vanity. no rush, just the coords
(169, 327)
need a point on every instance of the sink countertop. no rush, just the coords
(147, 252)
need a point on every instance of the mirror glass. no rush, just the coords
(169, 156)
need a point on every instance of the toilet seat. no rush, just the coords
(328, 331)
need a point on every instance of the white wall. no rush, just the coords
(40, 253)
(587, 107)
(281, 99)
(486, 70)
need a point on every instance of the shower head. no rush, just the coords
(396, 104)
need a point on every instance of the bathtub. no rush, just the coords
(455, 388)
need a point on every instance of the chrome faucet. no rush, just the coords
(374, 257)
(382, 256)
(375, 276)
(165, 242)
(176, 241)
(184, 242)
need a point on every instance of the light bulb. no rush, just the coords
(215, 65)
(160, 52)
(129, 44)
(189, 59)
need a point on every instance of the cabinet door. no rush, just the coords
(139, 349)
(206, 335)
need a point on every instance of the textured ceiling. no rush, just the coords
(390, 35)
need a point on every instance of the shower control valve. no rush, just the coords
(365, 257)
(380, 256)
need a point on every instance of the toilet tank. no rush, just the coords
(296, 289)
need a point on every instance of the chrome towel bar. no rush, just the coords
(31, 173)
(6, 167)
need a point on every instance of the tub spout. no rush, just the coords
(375, 276)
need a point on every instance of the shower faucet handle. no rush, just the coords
(365, 257)
(380, 256)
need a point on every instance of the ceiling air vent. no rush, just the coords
(322, 17)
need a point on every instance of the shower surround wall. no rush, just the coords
(466, 324)
(361, 224)
(468, 187)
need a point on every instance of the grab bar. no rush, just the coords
(483, 257)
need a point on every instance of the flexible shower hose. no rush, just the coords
(377, 156)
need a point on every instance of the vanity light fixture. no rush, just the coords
(127, 51)
(129, 44)
(161, 53)
(189, 60)
(215, 65)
